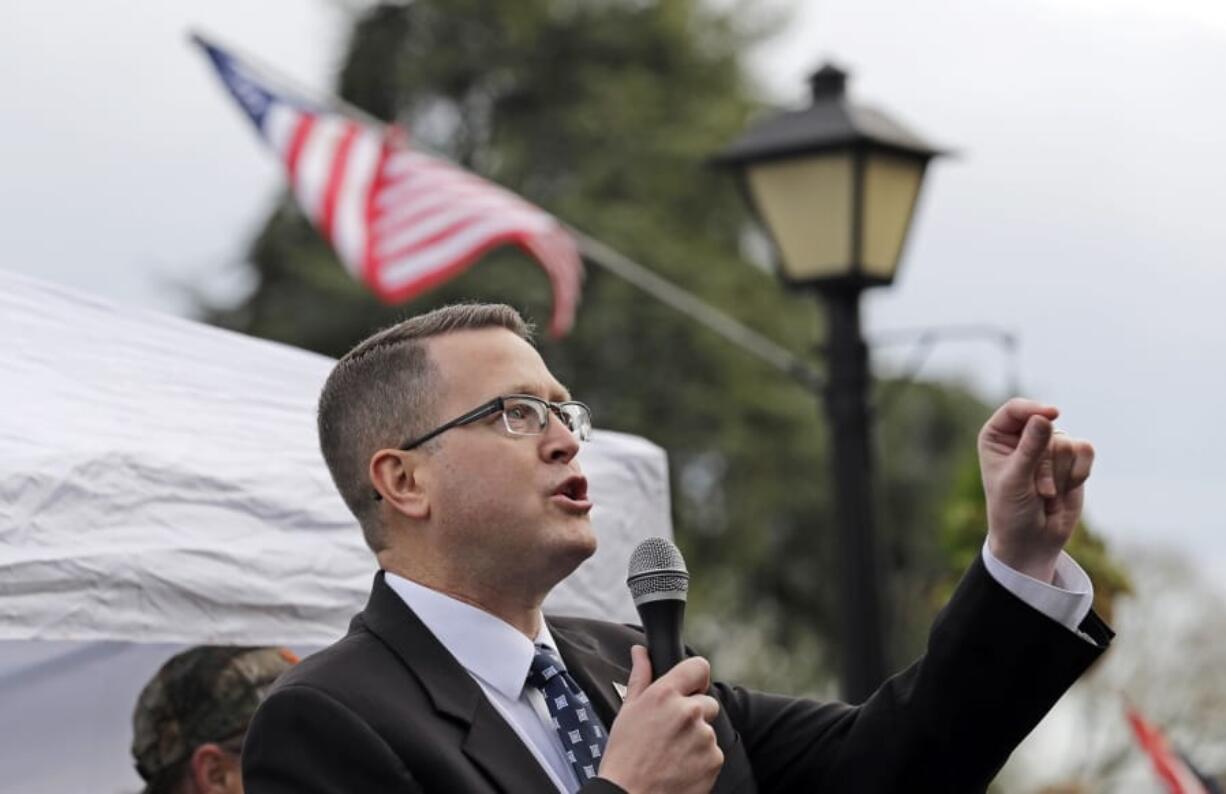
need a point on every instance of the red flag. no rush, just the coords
(400, 220)
(1169, 765)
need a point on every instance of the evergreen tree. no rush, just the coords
(603, 111)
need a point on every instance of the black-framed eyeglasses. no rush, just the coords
(523, 415)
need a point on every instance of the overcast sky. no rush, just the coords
(1082, 212)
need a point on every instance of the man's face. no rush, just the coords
(506, 505)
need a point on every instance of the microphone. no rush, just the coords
(658, 582)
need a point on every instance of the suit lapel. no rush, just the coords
(491, 743)
(595, 675)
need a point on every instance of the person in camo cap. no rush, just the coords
(192, 716)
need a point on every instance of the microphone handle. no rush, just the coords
(662, 622)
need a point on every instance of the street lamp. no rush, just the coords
(836, 185)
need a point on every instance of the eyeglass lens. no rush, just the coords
(529, 417)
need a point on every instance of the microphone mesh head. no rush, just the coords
(657, 571)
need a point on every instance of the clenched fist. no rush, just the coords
(1034, 479)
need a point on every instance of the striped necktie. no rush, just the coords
(583, 739)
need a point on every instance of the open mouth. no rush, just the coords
(572, 494)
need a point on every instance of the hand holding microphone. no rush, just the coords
(662, 740)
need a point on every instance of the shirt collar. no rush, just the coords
(486, 646)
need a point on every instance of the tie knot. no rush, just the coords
(545, 665)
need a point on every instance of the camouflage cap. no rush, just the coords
(205, 694)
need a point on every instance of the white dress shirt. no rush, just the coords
(498, 656)
(1067, 600)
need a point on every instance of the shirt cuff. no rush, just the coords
(1067, 600)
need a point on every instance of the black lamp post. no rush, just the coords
(836, 186)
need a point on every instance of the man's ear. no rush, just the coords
(396, 475)
(214, 770)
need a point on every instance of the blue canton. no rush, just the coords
(254, 98)
(582, 737)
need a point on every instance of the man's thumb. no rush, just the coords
(640, 672)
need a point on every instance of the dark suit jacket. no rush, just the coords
(388, 709)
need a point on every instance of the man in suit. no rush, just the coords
(456, 449)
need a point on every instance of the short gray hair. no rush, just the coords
(383, 391)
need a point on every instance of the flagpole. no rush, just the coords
(696, 309)
(597, 252)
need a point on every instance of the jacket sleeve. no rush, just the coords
(993, 668)
(333, 751)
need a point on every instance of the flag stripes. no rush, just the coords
(400, 220)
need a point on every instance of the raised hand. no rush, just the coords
(1034, 479)
(662, 741)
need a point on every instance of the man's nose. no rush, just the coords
(558, 443)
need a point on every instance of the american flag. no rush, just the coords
(400, 220)
(1177, 773)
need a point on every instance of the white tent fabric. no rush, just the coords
(160, 483)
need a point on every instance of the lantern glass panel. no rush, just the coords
(891, 186)
(806, 203)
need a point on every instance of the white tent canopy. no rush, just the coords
(160, 485)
